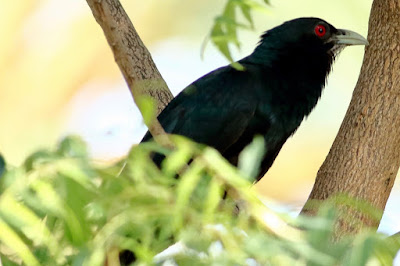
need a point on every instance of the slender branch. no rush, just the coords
(133, 59)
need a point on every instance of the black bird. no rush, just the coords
(281, 83)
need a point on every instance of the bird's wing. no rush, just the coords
(214, 110)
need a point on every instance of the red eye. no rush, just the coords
(320, 30)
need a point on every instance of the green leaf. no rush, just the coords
(212, 200)
(362, 251)
(246, 13)
(178, 158)
(225, 29)
(38, 158)
(6, 261)
(251, 157)
(12, 240)
(73, 146)
(29, 223)
(77, 171)
(147, 107)
(188, 183)
(228, 19)
(253, 5)
(221, 40)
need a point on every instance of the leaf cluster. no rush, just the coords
(224, 32)
(59, 208)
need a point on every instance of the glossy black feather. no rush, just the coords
(282, 82)
(2, 165)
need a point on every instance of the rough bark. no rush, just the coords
(133, 59)
(365, 156)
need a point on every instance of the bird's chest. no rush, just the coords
(294, 101)
(285, 109)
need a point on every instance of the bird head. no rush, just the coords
(303, 49)
(306, 38)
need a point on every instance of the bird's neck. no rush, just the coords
(301, 76)
(299, 64)
(298, 61)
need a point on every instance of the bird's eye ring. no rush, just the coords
(320, 30)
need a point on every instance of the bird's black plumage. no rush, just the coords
(281, 83)
(2, 165)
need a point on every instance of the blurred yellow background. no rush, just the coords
(58, 76)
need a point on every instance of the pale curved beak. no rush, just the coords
(348, 37)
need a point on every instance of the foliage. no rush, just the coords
(60, 209)
(225, 29)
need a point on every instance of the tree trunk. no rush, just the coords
(365, 156)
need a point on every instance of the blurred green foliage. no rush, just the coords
(59, 208)
(224, 32)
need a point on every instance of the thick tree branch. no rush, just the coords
(132, 57)
(365, 156)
